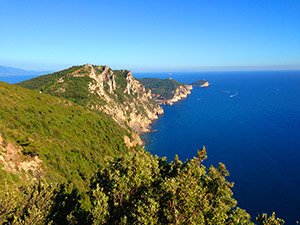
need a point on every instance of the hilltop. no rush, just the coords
(100, 88)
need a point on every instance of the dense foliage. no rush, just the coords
(72, 141)
(136, 188)
(163, 87)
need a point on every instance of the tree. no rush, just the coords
(263, 219)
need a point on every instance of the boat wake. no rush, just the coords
(235, 94)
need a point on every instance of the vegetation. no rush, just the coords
(163, 87)
(136, 188)
(76, 88)
(72, 88)
(72, 141)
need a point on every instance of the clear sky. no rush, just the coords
(149, 35)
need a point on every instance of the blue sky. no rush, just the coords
(152, 35)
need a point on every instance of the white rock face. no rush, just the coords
(180, 93)
(137, 109)
(106, 76)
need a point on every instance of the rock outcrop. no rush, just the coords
(14, 161)
(205, 84)
(137, 109)
(181, 92)
(201, 83)
(166, 91)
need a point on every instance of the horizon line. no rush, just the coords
(173, 70)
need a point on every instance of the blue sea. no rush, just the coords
(248, 120)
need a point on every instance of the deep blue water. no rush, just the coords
(255, 132)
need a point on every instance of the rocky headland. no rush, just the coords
(132, 103)
(114, 92)
(166, 91)
(201, 83)
(181, 92)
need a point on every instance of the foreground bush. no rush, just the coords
(137, 188)
(142, 189)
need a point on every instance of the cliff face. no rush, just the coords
(115, 92)
(137, 109)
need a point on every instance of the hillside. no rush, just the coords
(46, 136)
(114, 92)
(166, 91)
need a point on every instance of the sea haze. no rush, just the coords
(248, 120)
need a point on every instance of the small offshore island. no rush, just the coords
(70, 153)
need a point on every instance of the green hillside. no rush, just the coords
(76, 88)
(72, 141)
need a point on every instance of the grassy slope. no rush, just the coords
(163, 87)
(71, 140)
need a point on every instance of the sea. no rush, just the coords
(250, 121)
